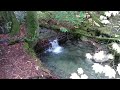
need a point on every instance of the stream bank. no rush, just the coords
(17, 63)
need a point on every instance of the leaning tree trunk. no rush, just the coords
(10, 22)
(4, 19)
(32, 28)
(15, 27)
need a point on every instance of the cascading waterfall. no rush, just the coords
(55, 48)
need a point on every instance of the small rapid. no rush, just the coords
(55, 47)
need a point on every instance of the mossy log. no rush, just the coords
(92, 32)
(100, 38)
(54, 24)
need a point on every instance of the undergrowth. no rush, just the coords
(73, 17)
(29, 50)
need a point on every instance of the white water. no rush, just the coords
(55, 47)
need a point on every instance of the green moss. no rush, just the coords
(32, 24)
(105, 30)
(29, 50)
(15, 25)
(9, 16)
(6, 15)
(26, 46)
(5, 18)
(32, 28)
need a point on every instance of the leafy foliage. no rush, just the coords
(73, 17)
(44, 15)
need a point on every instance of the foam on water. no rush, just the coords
(55, 47)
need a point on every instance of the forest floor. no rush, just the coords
(16, 63)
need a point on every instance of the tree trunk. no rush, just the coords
(32, 28)
(10, 23)
(15, 27)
